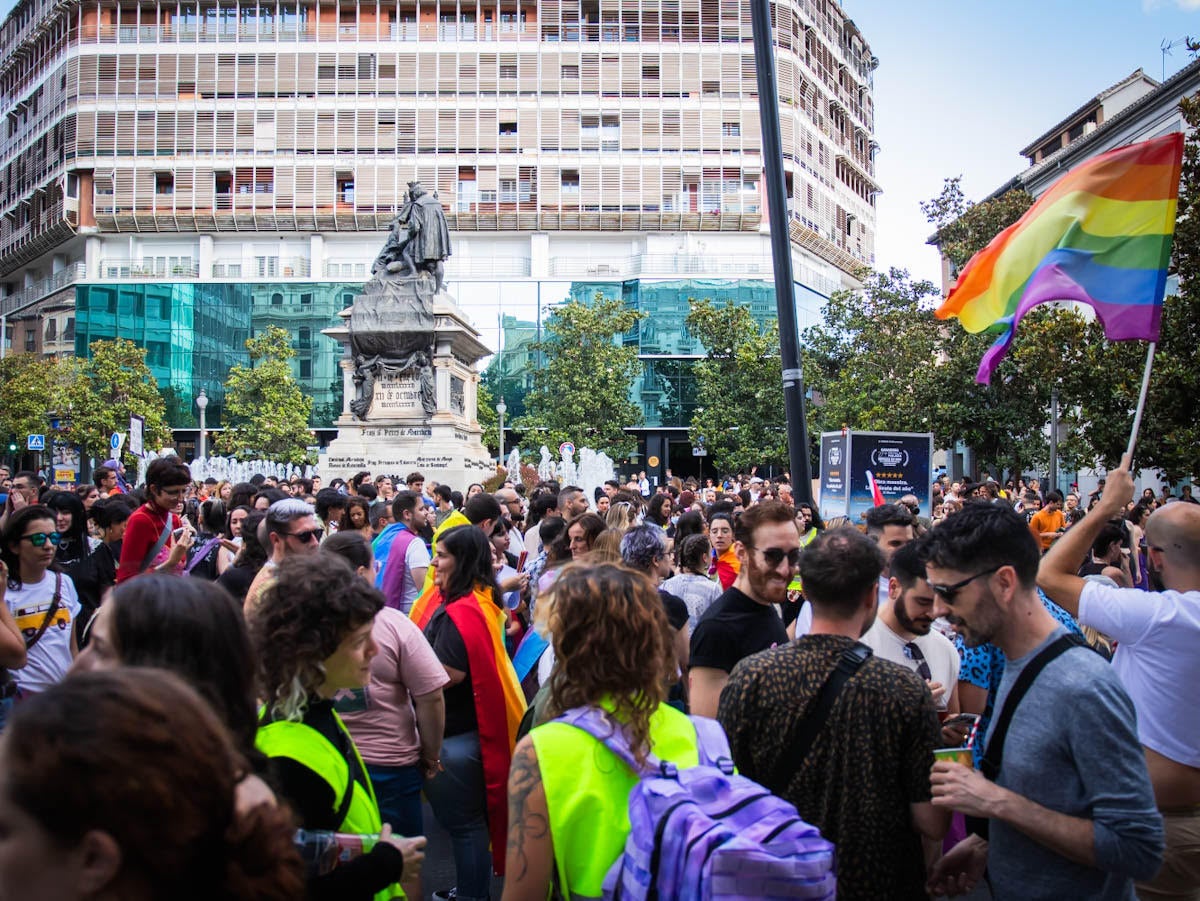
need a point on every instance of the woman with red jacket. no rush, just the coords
(144, 548)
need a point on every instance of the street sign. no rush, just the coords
(699, 451)
(567, 449)
(36, 442)
(116, 441)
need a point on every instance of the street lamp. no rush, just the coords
(202, 405)
(501, 409)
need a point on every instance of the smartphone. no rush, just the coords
(962, 719)
(178, 533)
(521, 561)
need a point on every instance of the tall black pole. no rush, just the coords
(781, 252)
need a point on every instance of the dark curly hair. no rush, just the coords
(310, 607)
(611, 639)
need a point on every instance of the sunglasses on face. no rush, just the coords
(948, 592)
(39, 539)
(776, 555)
(307, 535)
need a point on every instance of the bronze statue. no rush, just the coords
(419, 240)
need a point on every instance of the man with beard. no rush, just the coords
(1156, 659)
(864, 779)
(903, 632)
(743, 621)
(1067, 796)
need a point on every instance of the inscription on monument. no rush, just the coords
(397, 394)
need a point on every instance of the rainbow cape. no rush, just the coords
(1101, 235)
(499, 703)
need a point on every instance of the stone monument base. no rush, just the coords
(442, 452)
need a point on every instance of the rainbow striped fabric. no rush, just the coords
(1101, 235)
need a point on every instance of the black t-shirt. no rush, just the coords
(451, 650)
(677, 611)
(236, 580)
(735, 626)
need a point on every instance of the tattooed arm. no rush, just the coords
(529, 862)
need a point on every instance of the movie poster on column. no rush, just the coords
(900, 462)
(835, 485)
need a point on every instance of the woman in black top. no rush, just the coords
(97, 574)
(71, 523)
(250, 559)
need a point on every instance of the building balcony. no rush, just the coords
(68, 275)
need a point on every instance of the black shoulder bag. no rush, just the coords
(805, 731)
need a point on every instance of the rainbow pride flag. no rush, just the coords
(1101, 235)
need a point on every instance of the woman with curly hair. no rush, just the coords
(312, 632)
(357, 517)
(484, 705)
(615, 657)
(156, 815)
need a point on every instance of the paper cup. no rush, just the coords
(965, 756)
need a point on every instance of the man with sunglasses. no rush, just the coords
(743, 620)
(289, 528)
(1157, 634)
(1069, 804)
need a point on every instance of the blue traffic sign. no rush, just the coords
(36, 442)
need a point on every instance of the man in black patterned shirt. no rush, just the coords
(865, 781)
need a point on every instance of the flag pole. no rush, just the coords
(1141, 404)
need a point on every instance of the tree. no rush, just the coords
(581, 393)
(30, 387)
(739, 416)
(104, 391)
(266, 413)
(964, 228)
(485, 412)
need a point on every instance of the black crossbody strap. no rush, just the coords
(30, 642)
(158, 546)
(993, 755)
(805, 731)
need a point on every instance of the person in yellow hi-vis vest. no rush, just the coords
(312, 633)
(567, 793)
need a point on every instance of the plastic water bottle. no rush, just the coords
(323, 851)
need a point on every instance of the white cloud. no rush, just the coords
(1185, 5)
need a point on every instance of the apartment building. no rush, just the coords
(183, 173)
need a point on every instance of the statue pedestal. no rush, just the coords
(398, 436)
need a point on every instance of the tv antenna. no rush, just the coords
(1166, 47)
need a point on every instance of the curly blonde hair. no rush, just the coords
(611, 641)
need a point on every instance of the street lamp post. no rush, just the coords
(501, 409)
(202, 405)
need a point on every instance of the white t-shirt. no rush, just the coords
(1157, 635)
(416, 556)
(939, 652)
(50, 658)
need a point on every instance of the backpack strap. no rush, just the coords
(994, 753)
(805, 731)
(596, 723)
(712, 744)
(54, 604)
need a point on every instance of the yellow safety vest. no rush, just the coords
(587, 794)
(308, 747)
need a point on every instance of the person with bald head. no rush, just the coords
(1158, 633)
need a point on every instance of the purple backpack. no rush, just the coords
(705, 832)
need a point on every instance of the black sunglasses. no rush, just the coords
(776, 555)
(307, 535)
(947, 592)
(39, 539)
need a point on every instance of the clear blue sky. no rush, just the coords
(963, 85)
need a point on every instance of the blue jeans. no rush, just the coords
(398, 791)
(459, 802)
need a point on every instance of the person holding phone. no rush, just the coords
(156, 537)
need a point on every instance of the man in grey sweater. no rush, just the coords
(1071, 811)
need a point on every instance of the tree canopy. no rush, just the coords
(581, 393)
(266, 412)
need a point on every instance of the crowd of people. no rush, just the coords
(998, 693)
